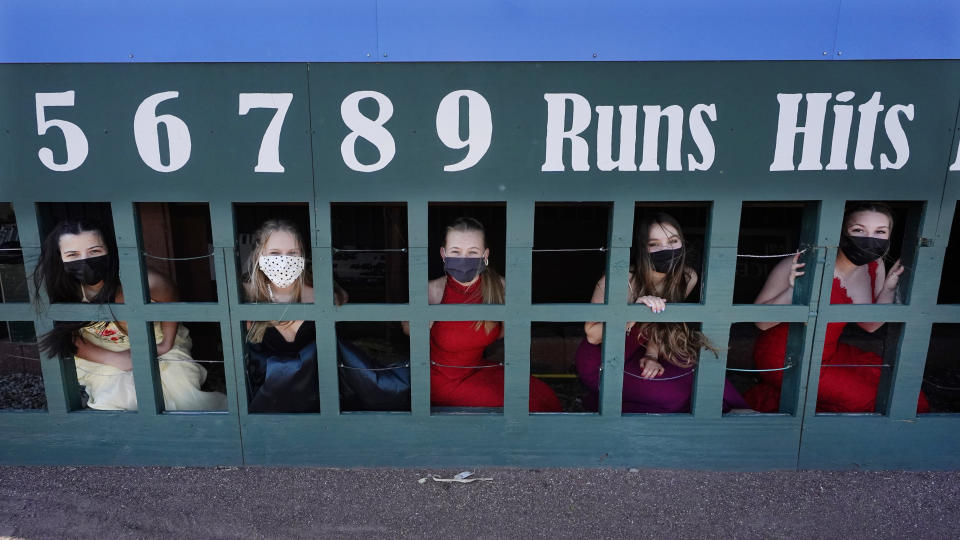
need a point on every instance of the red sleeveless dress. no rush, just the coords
(458, 343)
(842, 389)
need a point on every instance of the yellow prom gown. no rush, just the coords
(112, 389)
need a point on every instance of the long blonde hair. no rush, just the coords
(491, 284)
(257, 284)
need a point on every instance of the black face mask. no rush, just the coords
(664, 260)
(463, 269)
(863, 249)
(89, 271)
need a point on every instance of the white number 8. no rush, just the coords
(371, 130)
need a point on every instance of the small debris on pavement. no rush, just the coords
(460, 478)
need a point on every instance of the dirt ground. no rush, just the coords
(252, 502)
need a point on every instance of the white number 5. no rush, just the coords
(269, 158)
(76, 141)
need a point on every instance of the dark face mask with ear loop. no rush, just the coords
(664, 260)
(861, 250)
(464, 269)
(89, 271)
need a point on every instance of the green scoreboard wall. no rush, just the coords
(516, 134)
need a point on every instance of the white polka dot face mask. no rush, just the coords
(281, 270)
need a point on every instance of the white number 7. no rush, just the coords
(269, 158)
(76, 141)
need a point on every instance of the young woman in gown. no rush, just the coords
(79, 263)
(459, 376)
(859, 277)
(659, 357)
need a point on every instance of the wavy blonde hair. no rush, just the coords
(491, 283)
(257, 285)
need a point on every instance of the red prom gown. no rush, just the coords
(842, 389)
(458, 343)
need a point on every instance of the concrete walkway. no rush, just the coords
(162, 502)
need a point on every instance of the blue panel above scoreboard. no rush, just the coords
(438, 30)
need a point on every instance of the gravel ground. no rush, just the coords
(251, 502)
(22, 391)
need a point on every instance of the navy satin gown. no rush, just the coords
(282, 375)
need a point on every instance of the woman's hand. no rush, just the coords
(650, 367)
(655, 303)
(893, 277)
(795, 270)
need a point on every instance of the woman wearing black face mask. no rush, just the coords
(78, 263)
(660, 356)
(859, 277)
(459, 376)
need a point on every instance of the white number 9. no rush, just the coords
(76, 141)
(145, 124)
(480, 127)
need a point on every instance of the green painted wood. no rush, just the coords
(220, 171)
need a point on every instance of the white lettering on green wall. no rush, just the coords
(558, 131)
(812, 131)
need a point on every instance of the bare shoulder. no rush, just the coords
(161, 288)
(306, 295)
(435, 290)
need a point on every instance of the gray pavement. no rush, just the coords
(253, 502)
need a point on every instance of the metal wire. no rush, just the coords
(388, 368)
(145, 254)
(535, 250)
(466, 367)
(856, 365)
(20, 357)
(657, 379)
(777, 256)
(941, 387)
(784, 368)
(338, 250)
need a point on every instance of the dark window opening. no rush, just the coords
(373, 360)
(553, 362)
(177, 242)
(13, 278)
(949, 286)
(772, 229)
(569, 250)
(370, 251)
(941, 374)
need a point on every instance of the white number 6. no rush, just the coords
(145, 124)
(76, 141)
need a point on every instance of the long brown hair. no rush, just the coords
(257, 284)
(491, 284)
(679, 343)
